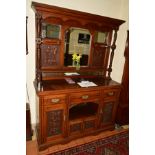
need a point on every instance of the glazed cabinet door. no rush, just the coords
(109, 106)
(108, 112)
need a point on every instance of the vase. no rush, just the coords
(74, 63)
(78, 66)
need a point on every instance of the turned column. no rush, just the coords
(113, 47)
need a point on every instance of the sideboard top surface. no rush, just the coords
(49, 86)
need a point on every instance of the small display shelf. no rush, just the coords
(83, 110)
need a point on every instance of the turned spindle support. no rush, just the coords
(113, 47)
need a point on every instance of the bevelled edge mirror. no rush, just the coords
(77, 47)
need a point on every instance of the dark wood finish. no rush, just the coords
(68, 111)
(123, 108)
(53, 57)
(29, 131)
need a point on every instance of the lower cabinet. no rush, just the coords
(72, 115)
(54, 123)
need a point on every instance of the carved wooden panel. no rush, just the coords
(54, 122)
(98, 55)
(75, 127)
(49, 56)
(89, 124)
(107, 112)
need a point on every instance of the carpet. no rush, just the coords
(113, 145)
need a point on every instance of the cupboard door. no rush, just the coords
(75, 128)
(108, 113)
(89, 124)
(54, 123)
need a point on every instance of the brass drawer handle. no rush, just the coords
(111, 93)
(85, 97)
(55, 100)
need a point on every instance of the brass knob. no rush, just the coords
(55, 100)
(85, 97)
(111, 93)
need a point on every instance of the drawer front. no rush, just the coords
(54, 99)
(111, 94)
(84, 97)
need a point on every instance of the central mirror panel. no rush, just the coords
(77, 43)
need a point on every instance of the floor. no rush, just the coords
(32, 148)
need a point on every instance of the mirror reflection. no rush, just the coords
(77, 45)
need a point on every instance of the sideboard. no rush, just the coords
(65, 109)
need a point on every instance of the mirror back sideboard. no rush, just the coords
(66, 111)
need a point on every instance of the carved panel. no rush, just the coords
(107, 112)
(98, 56)
(49, 55)
(54, 122)
(89, 124)
(75, 127)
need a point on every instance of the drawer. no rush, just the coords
(84, 97)
(111, 94)
(54, 99)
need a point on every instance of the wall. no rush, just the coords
(111, 8)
